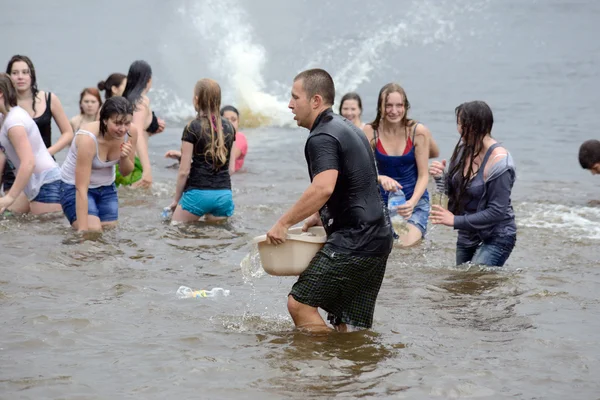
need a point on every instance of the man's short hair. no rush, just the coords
(589, 153)
(317, 81)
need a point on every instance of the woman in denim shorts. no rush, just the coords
(479, 181)
(36, 185)
(402, 148)
(88, 192)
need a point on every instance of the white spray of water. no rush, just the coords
(238, 60)
(572, 221)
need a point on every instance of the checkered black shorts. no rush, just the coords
(345, 286)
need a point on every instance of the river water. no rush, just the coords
(100, 319)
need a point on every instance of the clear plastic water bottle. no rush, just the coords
(165, 213)
(185, 292)
(395, 200)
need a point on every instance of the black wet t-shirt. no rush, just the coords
(204, 174)
(354, 216)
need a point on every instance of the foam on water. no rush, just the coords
(571, 221)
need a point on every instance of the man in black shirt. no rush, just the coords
(345, 276)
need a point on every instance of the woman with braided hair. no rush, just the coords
(204, 183)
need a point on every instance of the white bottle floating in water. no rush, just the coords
(185, 292)
(395, 200)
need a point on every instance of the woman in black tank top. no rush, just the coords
(41, 106)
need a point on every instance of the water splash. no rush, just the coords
(573, 221)
(224, 41)
(251, 265)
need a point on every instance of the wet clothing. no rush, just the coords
(44, 123)
(46, 170)
(153, 127)
(488, 216)
(402, 169)
(103, 202)
(216, 202)
(103, 172)
(203, 173)
(354, 217)
(242, 144)
(344, 285)
(345, 276)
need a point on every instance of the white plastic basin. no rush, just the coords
(292, 257)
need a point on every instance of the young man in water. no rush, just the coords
(589, 156)
(345, 276)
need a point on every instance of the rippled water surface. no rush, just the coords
(99, 318)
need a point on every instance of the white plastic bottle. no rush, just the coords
(395, 200)
(185, 292)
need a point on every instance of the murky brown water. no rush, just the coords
(100, 319)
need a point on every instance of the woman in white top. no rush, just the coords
(37, 182)
(88, 192)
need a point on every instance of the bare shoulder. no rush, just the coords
(369, 131)
(55, 100)
(76, 120)
(422, 130)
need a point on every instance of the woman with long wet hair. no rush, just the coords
(479, 179)
(36, 187)
(42, 107)
(204, 183)
(139, 83)
(402, 147)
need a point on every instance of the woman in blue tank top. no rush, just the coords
(402, 148)
(479, 182)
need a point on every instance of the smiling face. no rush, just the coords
(351, 110)
(300, 105)
(21, 76)
(89, 105)
(117, 126)
(232, 117)
(394, 107)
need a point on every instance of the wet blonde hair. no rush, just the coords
(207, 93)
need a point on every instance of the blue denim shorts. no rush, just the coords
(103, 202)
(202, 201)
(49, 193)
(420, 215)
(492, 252)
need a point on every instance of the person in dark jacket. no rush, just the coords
(479, 182)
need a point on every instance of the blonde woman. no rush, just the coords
(204, 185)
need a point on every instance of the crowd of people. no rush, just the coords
(353, 167)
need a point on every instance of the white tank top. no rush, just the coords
(46, 170)
(103, 172)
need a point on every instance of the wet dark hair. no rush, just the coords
(138, 77)
(589, 153)
(115, 106)
(351, 96)
(229, 108)
(8, 90)
(382, 99)
(113, 80)
(26, 60)
(317, 81)
(476, 121)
